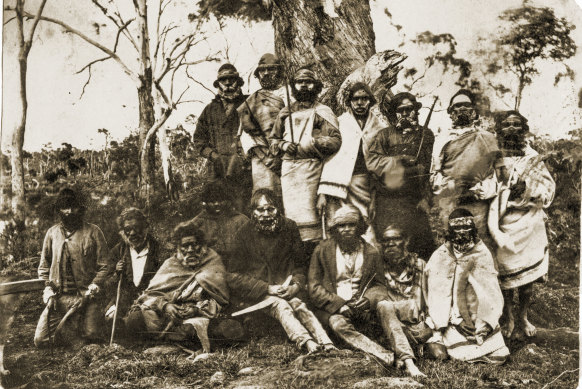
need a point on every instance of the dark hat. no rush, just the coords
(501, 116)
(358, 86)
(68, 197)
(268, 60)
(225, 71)
(463, 95)
(390, 105)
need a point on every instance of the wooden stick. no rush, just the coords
(116, 309)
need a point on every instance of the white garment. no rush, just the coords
(138, 261)
(349, 272)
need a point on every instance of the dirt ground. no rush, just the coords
(270, 361)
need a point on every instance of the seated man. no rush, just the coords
(74, 263)
(463, 297)
(187, 291)
(401, 312)
(345, 274)
(218, 220)
(269, 250)
(138, 258)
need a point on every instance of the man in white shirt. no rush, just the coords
(345, 275)
(138, 257)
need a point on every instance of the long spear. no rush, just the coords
(289, 102)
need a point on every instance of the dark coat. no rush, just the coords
(130, 292)
(261, 260)
(323, 273)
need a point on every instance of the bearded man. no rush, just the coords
(268, 251)
(464, 169)
(218, 220)
(462, 294)
(345, 177)
(74, 263)
(216, 132)
(517, 219)
(139, 256)
(400, 158)
(303, 144)
(257, 116)
(402, 312)
(345, 281)
(188, 291)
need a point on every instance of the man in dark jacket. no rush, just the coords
(74, 263)
(268, 250)
(216, 132)
(138, 256)
(345, 281)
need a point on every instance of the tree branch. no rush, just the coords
(35, 22)
(199, 83)
(92, 42)
(92, 63)
(119, 33)
(121, 25)
(9, 20)
(86, 83)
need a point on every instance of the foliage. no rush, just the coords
(249, 10)
(529, 34)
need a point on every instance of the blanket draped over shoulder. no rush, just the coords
(518, 225)
(172, 279)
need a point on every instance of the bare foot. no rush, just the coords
(311, 347)
(528, 329)
(412, 370)
(507, 328)
(329, 347)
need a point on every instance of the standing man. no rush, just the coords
(74, 263)
(304, 144)
(517, 219)
(268, 251)
(218, 220)
(463, 298)
(400, 156)
(345, 281)
(345, 177)
(139, 256)
(187, 292)
(463, 173)
(257, 116)
(216, 132)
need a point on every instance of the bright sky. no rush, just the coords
(56, 114)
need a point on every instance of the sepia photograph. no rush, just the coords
(290, 194)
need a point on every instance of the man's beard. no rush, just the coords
(230, 94)
(72, 221)
(131, 244)
(304, 95)
(513, 141)
(404, 123)
(348, 244)
(192, 260)
(463, 118)
(270, 82)
(464, 241)
(267, 224)
(361, 115)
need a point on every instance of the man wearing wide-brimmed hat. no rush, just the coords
(74, 263)
(303, 145)
(399, 156)
(216, 132)
(257, 116)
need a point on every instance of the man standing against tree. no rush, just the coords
(257, 116)
(345, 177)
(400, 158)
(304, 143)
(216, 138)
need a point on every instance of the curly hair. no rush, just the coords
(185, 229)
(132, 213)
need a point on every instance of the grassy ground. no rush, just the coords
(275, 363)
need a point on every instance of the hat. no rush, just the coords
(68, 197)
(346, 214)
(225, 71)
(461, 217)
(268, 60)
(462, 96)
(305, 74)
(390, 105)
(501, 116)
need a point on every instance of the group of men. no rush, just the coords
(338, 236)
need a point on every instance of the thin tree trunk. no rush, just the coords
(333, 46)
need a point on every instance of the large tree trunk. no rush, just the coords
(306, 34)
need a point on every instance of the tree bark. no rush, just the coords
(306, 35)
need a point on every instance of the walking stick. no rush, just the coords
(116, 309)
(323, 232)
(289, 104)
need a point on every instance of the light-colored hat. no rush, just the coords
(346, 214)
